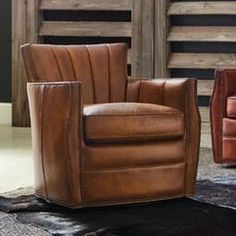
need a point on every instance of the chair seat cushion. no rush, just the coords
(231, 107)
(124, 122)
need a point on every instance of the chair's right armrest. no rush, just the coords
(56, 121)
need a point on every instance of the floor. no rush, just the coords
(16, 169)
(15, 158)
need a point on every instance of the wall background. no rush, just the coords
(5, 43)
(5, 51)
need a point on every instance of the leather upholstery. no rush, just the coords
(100, 139)
(131, 122)
(223, 116)
(83, 63)
(231, 107)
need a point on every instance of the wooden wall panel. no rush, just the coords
(149, 30)
(108, 5)
(161, 34)
(143, 33)
(24, 29)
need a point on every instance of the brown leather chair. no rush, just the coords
(223, 116)
(99, 138)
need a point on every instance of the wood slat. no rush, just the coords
(202, 60)
(143, 30)
(136, 38)
(161, 48)
(84, 28)
(203, 8)
(107, 5)
(206, 128)
(205, 87)
(202, 34)
(148, 29)
(205, 114)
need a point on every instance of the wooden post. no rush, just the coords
(136, 38)
(143, 38)
(20, 112)
(24, 29)
(161, 34)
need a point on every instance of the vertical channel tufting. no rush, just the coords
(42, 137)
(59, 69)
(102, 69)
(64, 63)
(46, 67)
(163, 92)
(92, 77)
(99, 64)
(118, 71)
(82, 72)
(109, 72)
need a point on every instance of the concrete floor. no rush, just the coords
(15, 158)
(16, 168)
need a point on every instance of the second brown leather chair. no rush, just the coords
(223, 116)
(99, 138)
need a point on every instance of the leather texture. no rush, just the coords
(101, 139)
(231, 107)
(131, 122)
(223, 116)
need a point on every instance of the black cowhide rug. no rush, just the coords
(182, 217)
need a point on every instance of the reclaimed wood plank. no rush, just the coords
(24, 30)
(205, 87)
(136, 38)
(108, 5)
(206, 128)
(148, 29)
(84, 28)
(202, 60)
(202, 34)
(161, 45)
(205, 114)
(203, 8)
(20, 116)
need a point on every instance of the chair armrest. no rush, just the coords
(56, 118)
(182, 95)
(176, 93)
(224, 86)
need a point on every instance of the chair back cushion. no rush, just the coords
(101, 68)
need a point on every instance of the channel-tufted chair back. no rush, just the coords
(94, 65)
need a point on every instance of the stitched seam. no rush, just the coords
(80, 140)
(140, 90)
(163, 92)
(109, 72)
(165, 166)
(141, 135)
(58, 83)
(174, 162)
(57, 63)
(228, 137)
(132, 115)
(72, 64)
(222, 108)
(42, 124)
(68, 160)
(187, 136)
(31, 64)
(92, 73)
